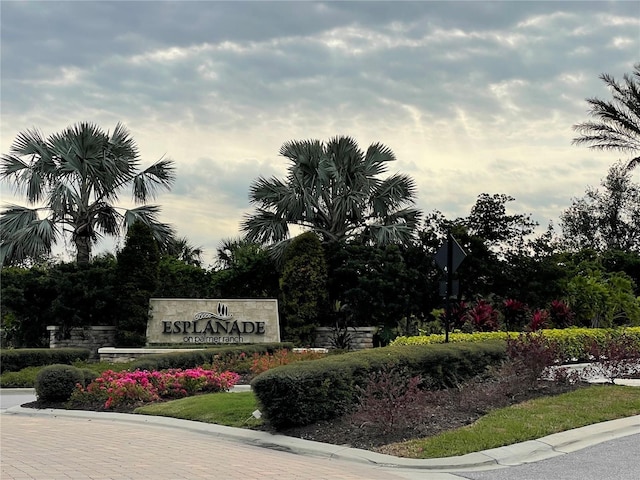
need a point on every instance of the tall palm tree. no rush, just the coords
(618, 121)
(334, 189)
(74, 177)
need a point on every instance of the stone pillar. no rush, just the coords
(359, 338)
(92, 338)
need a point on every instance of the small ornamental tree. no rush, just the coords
(303, 287)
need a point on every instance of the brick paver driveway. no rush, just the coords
(53, 448)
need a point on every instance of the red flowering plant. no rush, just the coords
(539, 320)
(483, 317)
(560, 314)
(459, 317)
(515, 314)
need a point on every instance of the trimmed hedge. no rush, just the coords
(195, 358)
(56, 383)
(14, 360)
(302, 393)
(573, 343)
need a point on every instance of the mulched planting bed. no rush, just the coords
(449, 413)
(444, 410)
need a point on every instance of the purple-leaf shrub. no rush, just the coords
(618, 356)
(390, 400)
(532, 354)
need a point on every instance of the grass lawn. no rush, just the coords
(527, 421)
(231, 409)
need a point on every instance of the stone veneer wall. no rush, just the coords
(184, 311)
(361, 337)
(91, 338)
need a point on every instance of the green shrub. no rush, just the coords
(88, 376)
(573, 344)
(56, 383)
(17, 359)
(306, 392)
(25, 378)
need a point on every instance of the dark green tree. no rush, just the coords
(66, 295)
(74, 178)
(334, 189)
(244, 270)
(492, 239)
(304, 289)
(607, 218)
(376, 286)
(617, 122)
(178, 279)
(138, 265)
(26, 297)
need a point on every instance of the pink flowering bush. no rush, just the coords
(127, 389)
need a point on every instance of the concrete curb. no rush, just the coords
(511, 455)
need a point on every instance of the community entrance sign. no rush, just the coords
(212, 321)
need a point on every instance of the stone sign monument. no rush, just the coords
(212, 321)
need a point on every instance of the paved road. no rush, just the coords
(616, 459)
(12, 397)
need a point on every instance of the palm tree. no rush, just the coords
(618, 121)
(334, 189)
(74, 178)
(184, 251)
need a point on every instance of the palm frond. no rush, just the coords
(399, 233)
(268, 192)
(392, 193)
(265, 227)
(12, 165)
(617, 124)
(376, 158)
(15, 218)
(148, 214)
(24, 235)
(63, 199)
(107, 219)
(147, 183)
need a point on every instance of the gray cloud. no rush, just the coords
(472, 96)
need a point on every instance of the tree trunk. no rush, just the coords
(83, 249)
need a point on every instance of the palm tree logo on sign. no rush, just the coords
(222, 313)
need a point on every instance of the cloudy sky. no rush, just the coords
(472, 97)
